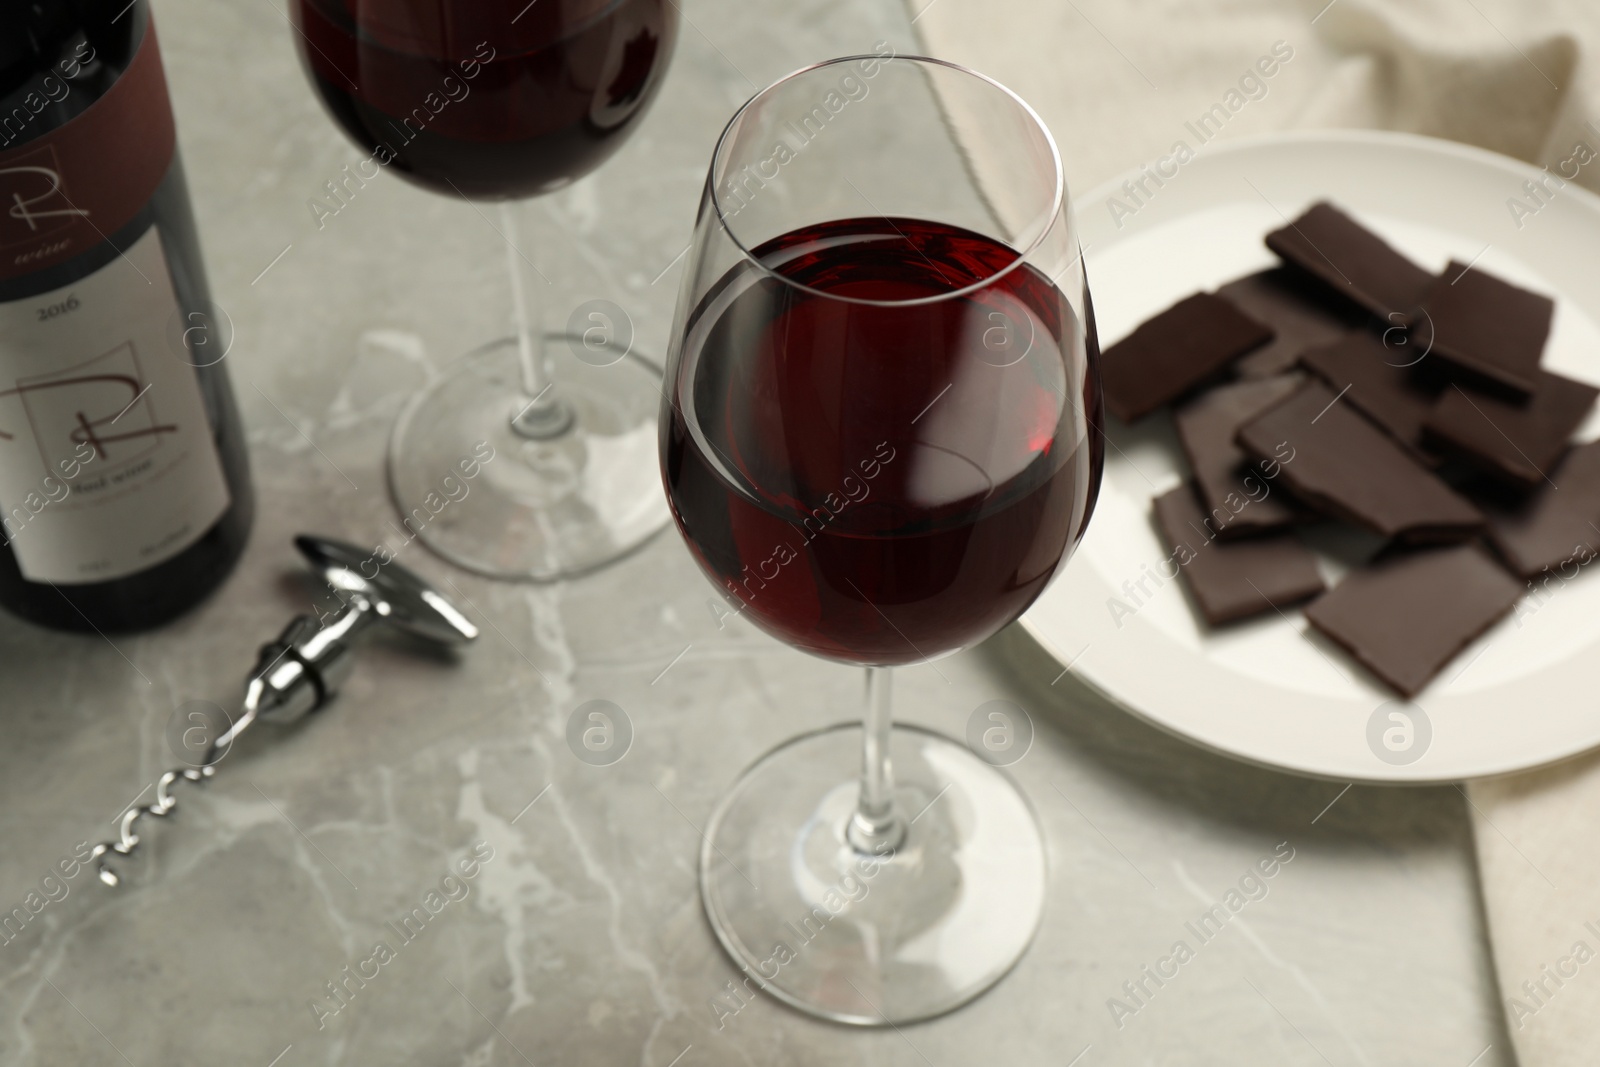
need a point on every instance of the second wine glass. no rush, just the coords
(493, 100)
(880, 441)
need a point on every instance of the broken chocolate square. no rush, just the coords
(1406, 616)
(1486, 328)
(1558, 525)
(1334, 460)
(1289, 303)
(1352, 261)
(1379, 380)
(1238, 498)
(1237, 579)
(1518, 442)
(1170, 354)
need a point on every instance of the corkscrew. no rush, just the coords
(302, 669)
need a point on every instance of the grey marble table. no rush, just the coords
(581, 941)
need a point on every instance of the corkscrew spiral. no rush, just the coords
(164, 805)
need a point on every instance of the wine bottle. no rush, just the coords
(124, 490)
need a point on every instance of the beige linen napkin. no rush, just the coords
(1116, 80)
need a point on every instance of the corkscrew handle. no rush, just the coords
(303, 669)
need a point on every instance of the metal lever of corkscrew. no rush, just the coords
(302, 670)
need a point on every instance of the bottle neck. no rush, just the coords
(105, 101)
(58, 59)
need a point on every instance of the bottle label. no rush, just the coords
(107, 463)
(69, 190)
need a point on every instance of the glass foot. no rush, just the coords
(907, 934)
(568, 495)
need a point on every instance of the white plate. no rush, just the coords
(1268, 690)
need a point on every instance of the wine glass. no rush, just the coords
(880, 439)
(495, 100)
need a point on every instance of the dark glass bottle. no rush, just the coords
(124, 489)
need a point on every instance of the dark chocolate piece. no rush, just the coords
(1238, 498)
(1288, 302)
(1352, 261)
(1334, 460)
(1237, 579)
(1518, 442)
(1487, 328)
(1557, 526)
(1408, 615)
(1381, 383)
(1170, 354)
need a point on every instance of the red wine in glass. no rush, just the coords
(875, 481)
(491, 99)
(503, 100)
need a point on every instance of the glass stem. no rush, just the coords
(877, 825)
(542, 415)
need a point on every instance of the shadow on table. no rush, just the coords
(1176, 772)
